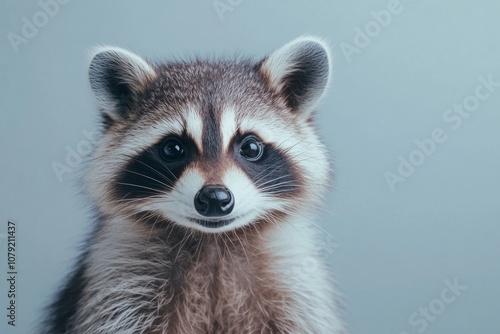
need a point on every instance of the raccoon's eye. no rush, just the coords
(251, 148)
(172, 149)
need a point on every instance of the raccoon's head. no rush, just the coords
(209, 145)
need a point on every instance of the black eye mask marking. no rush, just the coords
(273, 172)
(153, 172)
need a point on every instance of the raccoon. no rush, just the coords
(205, 184)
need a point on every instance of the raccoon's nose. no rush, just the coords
(214, 201)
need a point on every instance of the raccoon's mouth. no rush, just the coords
(212, 223)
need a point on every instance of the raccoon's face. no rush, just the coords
(211, 146)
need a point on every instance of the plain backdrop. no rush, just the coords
(394, 248)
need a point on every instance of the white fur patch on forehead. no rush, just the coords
(140, 138)
(193, 125)
(270, 130)
(228, 126)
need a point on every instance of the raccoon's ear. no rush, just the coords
(300, 72)
(116, 77)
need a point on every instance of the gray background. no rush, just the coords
(396, 247)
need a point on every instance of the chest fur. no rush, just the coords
(202, 286)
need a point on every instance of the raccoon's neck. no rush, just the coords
(151, 250)
(171, 249)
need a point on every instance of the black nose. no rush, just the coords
(214, 201)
